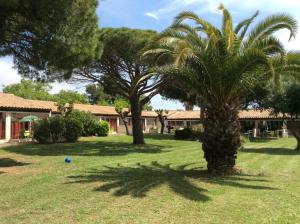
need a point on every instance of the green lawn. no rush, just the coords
(110, 181)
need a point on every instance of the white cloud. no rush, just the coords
(152, 15)
(8, 75)
(290, 45)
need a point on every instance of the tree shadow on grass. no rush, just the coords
(95, 148)
(272, 151)
(159, 136)
(139, 180)
(7, 162)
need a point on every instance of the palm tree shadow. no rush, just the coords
(272, 151)
(8, 162)
(139, 180)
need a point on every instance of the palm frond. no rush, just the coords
(270, 45)
(245, 25)
(227, 22)
(270, 25)
(205, 25)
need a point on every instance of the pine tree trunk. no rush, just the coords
(294, 127)
(296, 134)
(221, 139)
(137, 130)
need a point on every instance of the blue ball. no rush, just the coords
(68, 160)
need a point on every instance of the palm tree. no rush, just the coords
(220, 65)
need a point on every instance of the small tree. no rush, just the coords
(122, 108)
(287, 102)
(162, 118)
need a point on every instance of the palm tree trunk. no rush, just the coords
(137, 130)
(221, 139)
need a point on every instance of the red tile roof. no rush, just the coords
(149, 114)
(10, 101)
(96, 109)
(244, 114)
(184, 115)
(257, 114)
(107, 110)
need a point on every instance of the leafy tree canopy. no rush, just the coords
(286, 100)
(30, 90)
(70, 96)
(97, 95)
(49, 36)
(121, 104)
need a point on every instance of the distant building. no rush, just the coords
(14, 108)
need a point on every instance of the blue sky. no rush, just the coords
(158, 14)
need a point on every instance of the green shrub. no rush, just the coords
(69, 128)
(183, 134)
(102, 128)
(74, 128)
(89, 121)
(57, 128)
(42, 132)
(197, 134)
(50, 130)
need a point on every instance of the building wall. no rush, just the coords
(149, 125)
(10, 125)
(113, 122)
(253, 127)
(179, 124)
(261, 127)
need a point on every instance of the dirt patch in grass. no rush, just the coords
(16, 170)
